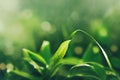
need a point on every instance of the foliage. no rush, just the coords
(60, 66)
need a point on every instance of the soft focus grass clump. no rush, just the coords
(56, 67)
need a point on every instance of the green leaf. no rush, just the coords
(34, 64)
(99, 69)
(45, 51)
(90, 70)
(65, 62)
(60, 53)
(103, 51)
(70, 61)
(25, 75)
(34, 56)
(83, 70)
(112, 75)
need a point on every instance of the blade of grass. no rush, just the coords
(60, 53)
(34, 64)
(112, 73)
(34, 56)
(70, 61)
(25, 75)
(45, 51)
(83, 70)
(104, 53)
(99, 69)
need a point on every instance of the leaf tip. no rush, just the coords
(24, 50)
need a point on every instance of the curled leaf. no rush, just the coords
(103, 51)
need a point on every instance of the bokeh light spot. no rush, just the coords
(2, 66)
(95, 49)
(103, 32)
(46, 26)
(114, 48)
(9, 67)
(74, 15)
(78, 50)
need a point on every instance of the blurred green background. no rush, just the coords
(26, 23)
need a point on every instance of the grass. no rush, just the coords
(58, 66)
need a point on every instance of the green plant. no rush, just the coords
(57, 67)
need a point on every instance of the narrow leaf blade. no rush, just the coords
(103, 51)
(60, 53)
(34, 56)
(93, 70)
(45, 51)
(34, 64)
(83, 70)
(71, 61)
(25, 75)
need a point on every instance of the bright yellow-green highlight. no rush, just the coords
(95, 49)
(103, 32)
(114, 48)
(78, 50)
